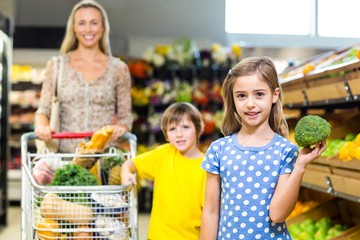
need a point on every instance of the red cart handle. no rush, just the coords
(72, 134)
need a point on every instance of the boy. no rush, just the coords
(179, 182)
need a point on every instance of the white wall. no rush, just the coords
(202, 20)
(7, 7)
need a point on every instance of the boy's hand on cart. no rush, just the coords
(127, 177)
(43, 132)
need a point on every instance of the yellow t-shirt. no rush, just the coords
(179, 187)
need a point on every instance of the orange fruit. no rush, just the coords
(308, 68)
(345, 151)
(357, 139)
(83, 233)
(355, 153)
(45, 229)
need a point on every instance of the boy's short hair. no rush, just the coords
(176, 111)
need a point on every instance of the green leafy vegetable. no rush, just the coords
(73, 175)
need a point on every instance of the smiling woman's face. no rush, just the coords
(88, 26)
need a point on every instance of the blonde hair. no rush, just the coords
(70, 41)
(266, 71)
(175, 113)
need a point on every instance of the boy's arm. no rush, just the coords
(211, 212)
(128, 170)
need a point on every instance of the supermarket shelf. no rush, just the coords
(343, 103)
(333, 193)
(329, 88)
(14, 185)
(325, 71)
(334, 177)
(14, 144)
(25, 85)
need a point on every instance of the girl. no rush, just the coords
(253, 177)
(179, 182)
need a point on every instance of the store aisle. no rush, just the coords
(13, 230)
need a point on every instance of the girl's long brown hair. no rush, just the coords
(266, 71)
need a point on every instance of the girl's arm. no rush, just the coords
(211, 211)
(288, 185)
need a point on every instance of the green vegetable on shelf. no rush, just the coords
(311, 130)
(321, 229)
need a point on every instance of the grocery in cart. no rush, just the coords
(77, 195)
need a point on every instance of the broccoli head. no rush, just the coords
(310, 130)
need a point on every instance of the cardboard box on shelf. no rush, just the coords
(355, 86)
(351, 234)
(294, 96)
(336, 177)
(316, 178)
(329, 91)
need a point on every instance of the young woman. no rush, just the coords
(179, 182)
(94, 88)
(253, 173)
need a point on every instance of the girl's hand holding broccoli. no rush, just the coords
(311, 132)
(308, 154)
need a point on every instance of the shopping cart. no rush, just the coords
(106, 212)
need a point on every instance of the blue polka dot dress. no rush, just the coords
(248, 179)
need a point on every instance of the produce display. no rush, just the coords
(310, 130)
(348, 146)
(350, 149)
(302, 207)
(321, 229)
(328, 85)
(324, 60)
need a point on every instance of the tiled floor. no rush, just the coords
(13, 229)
